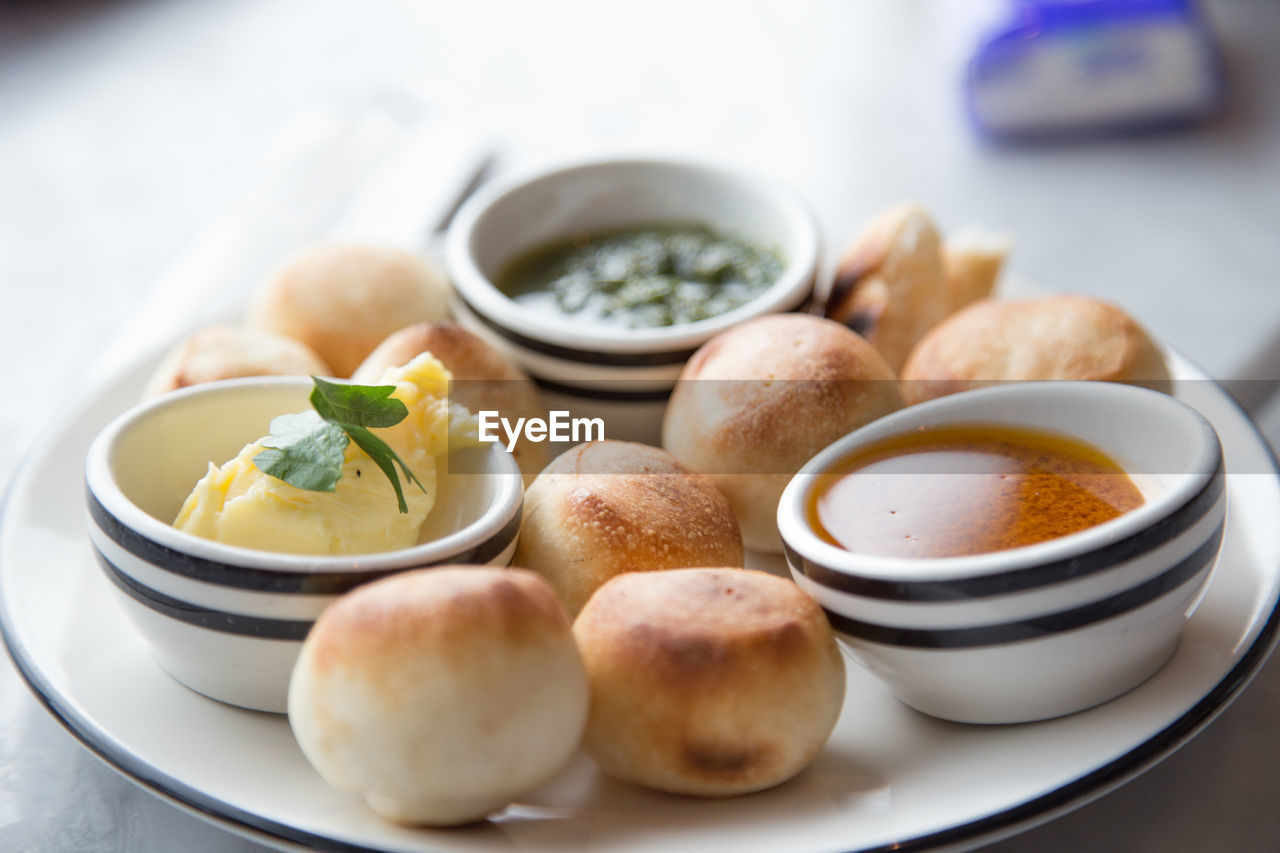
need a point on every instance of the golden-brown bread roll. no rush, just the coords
(890, 286)
(230, 352)
(971, 261)
(484, 378)
(343, 300)
(710, 682)
(609, 507)
(756, 402)
(1053, 337)
(440, 694)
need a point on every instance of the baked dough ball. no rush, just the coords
(779, 389)
(971, 261)
(483, 378)
(343, 300)
(709, 682)
(1054, 337)
(440, 694)
(609, 507)
(230, 352)
(890, 286)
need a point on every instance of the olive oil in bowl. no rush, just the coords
(971, 489)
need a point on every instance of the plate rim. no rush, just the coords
(1005, 823)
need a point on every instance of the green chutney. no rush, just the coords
(664, 275)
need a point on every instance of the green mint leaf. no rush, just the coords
(386, 459)
(357, 405)
(305, 451)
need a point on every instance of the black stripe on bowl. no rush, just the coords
(267, 580)
(594, 392)
(1016, 580)
(1040, 626)
(204, 617)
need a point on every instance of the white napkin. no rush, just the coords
(382, 170)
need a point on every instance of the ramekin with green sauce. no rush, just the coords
(601, 279)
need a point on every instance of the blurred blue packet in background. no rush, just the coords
(1058, 68)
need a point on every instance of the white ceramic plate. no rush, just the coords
(890, 777)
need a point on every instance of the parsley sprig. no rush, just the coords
(306, 450)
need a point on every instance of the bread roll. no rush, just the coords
(230, 352)
(758, 401)
(971, 261)
(609, 507)
(483, 378)
(440, 694)
(710, 682)
(889, 286)
(1054, 337)
(343, 300)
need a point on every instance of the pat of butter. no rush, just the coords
(237, 504)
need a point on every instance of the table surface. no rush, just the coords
(125, 128)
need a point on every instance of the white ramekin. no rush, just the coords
(227, 621)
(1046, 629)
(622, 375)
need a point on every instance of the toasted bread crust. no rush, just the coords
(440, 694)
(609, 507)
(484, 378)
(890, 286)
(342, 300)
(756, 402)
(1054, 337)
(711, 682)
(231, 352)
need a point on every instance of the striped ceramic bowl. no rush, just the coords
(226, 621)
(621, 375)
(1046, 629)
